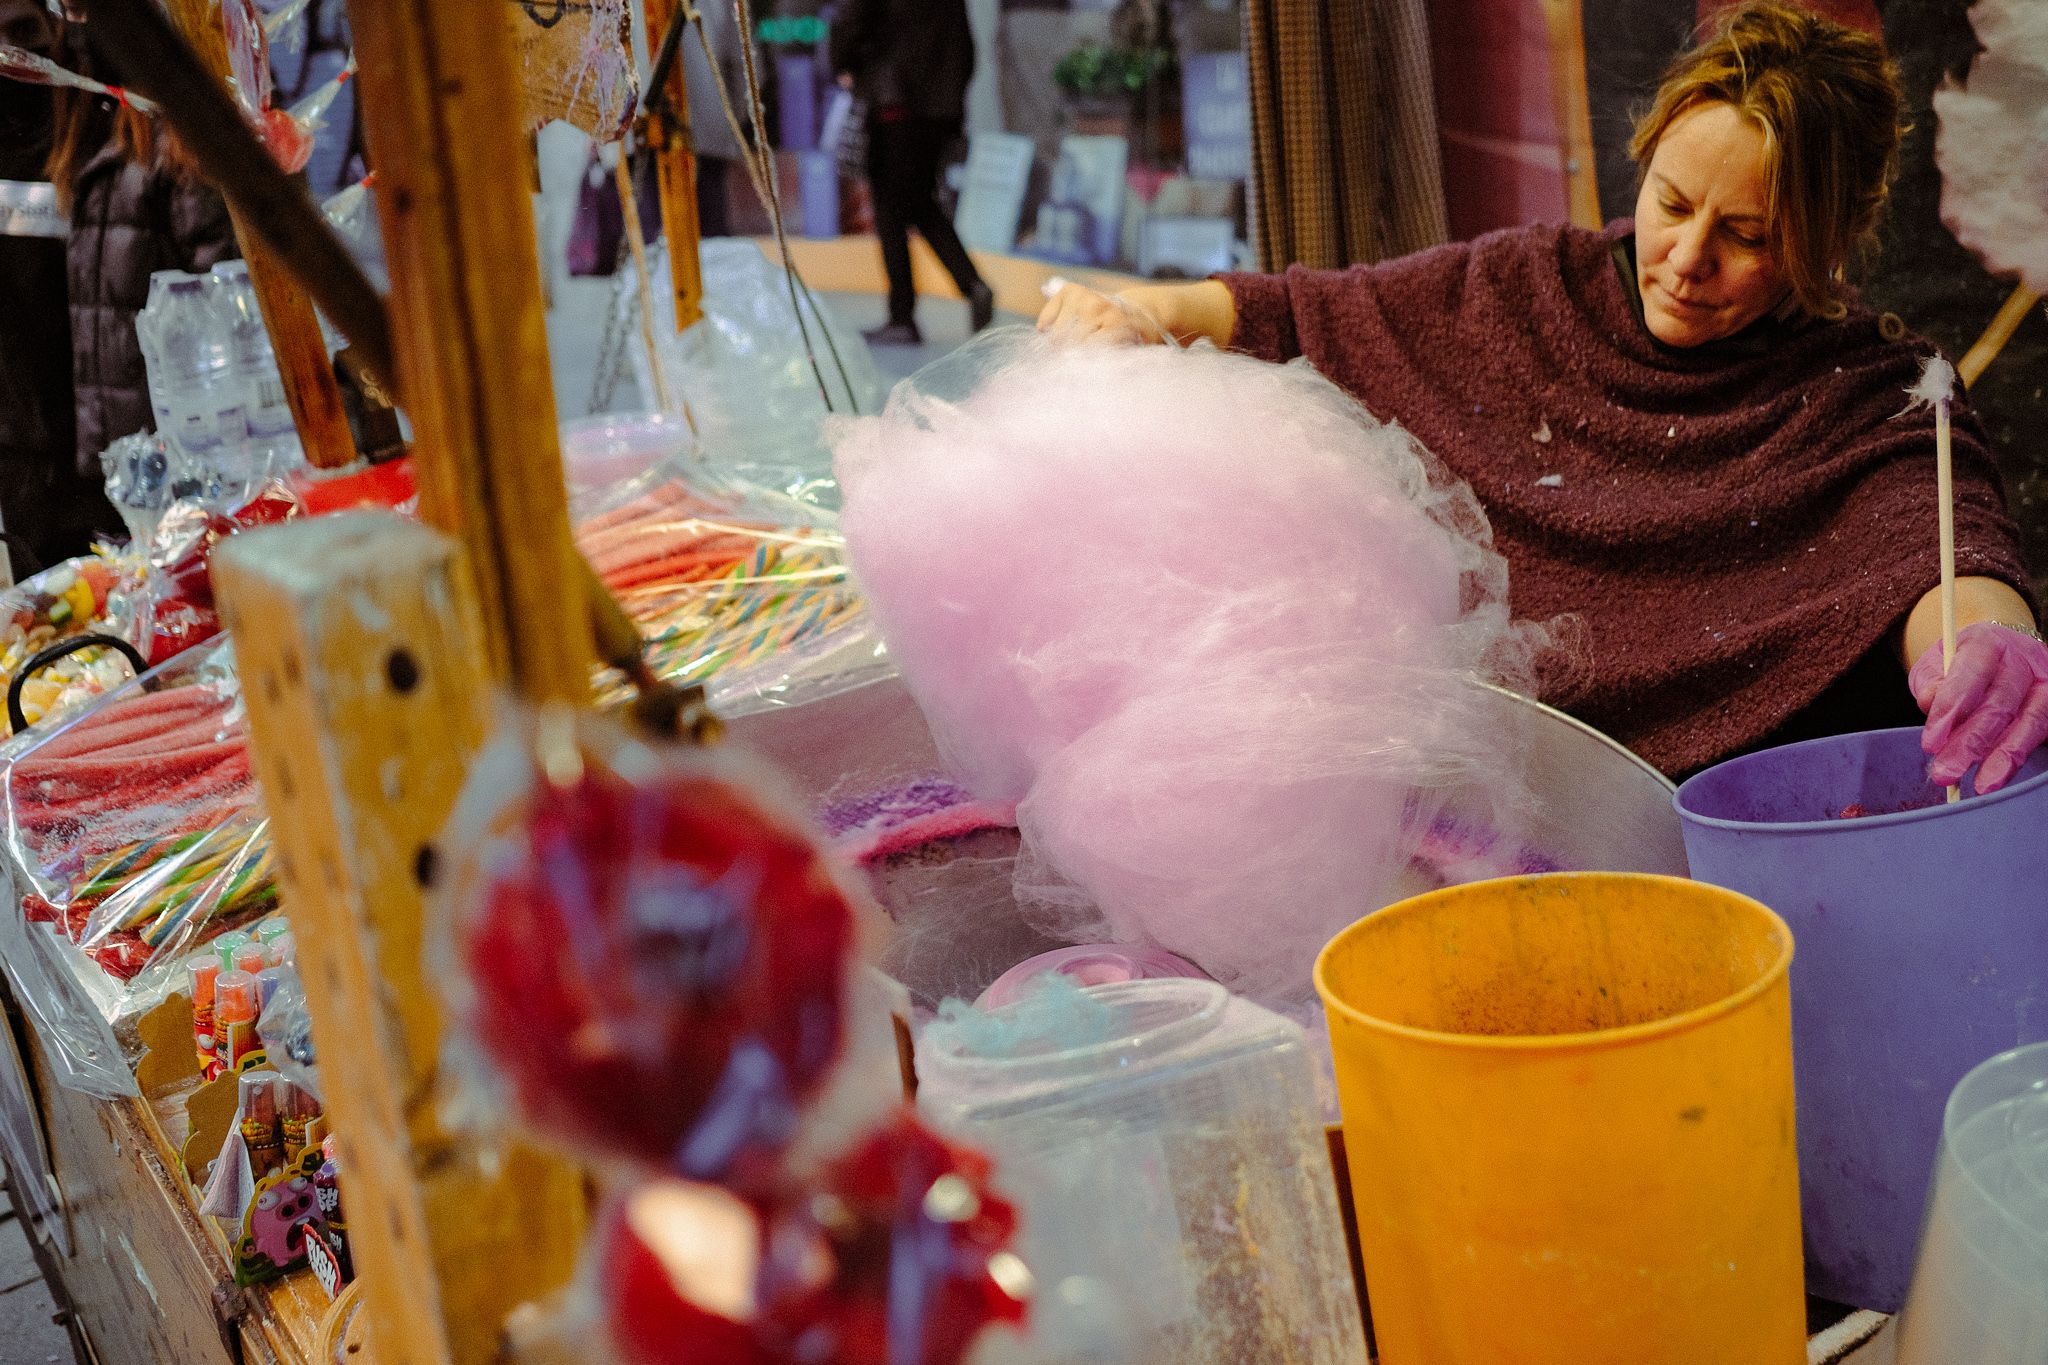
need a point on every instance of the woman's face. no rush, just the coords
(1703, 258)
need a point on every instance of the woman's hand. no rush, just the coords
(1144, 314)
(1078, 313)
(1991, 706)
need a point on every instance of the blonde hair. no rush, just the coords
(1827, 100)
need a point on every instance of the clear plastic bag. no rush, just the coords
(1204, 620)
(138, 478)
(181, 610)
(741, 588)
(133, 835)
(100, 594)
(645, 956)
(286, 1029)
(751, 391)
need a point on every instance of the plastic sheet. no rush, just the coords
(18, 63)
(133, 835)
(286, 1030)
(181, 554)
(743, 371)
(138, 478)
(1204, 620)
(352, 212)
(741, 588)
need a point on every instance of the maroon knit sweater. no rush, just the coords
(1737, 524)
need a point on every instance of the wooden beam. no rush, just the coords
(675, 160)
(360, 652)
(309, 383)
(468, 323)
(2011, 314)
(1565, 21)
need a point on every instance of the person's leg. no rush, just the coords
(712, 217)
(933, 138)
(891, 183)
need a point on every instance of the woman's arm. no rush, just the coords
(1145, 314)
(1977, 599)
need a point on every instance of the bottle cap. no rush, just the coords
(204, 970)
(258, 1096)
(234, 998)
(276, 927)
(267, 982)
(251, 957)
(224, 948)
(284, 950)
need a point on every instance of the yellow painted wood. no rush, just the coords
(469, 325)
(675, 161)
(2010, 315)
(359, 647)
(1565, 20)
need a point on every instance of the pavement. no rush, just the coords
(30, 1333)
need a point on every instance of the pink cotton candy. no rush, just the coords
(1208, 624)
(1992, 142)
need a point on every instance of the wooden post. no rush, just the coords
(468, 323)
(1565, 20)
(309, 383)
(360, 653)
(675, 160)
(2010, 315)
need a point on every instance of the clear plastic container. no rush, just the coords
(1980, 1290)
(254, 363)
(1178, 1166)
(187, 354)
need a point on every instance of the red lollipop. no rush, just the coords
(658, 964)
(899, 1256)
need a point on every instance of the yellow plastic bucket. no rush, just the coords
(1568, 1116)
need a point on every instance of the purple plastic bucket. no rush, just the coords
(1922, 949)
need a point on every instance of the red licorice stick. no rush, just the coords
(661, 570)
(90, 772)
(661, 497)
(46, 809)
(125, 720)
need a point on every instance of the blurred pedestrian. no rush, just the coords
(909, 61)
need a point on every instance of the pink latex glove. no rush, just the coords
(1991, 707)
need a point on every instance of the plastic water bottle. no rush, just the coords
(254, 363)
(187, 352)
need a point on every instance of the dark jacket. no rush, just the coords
(127, 222)
(43, 500)
(916, 55)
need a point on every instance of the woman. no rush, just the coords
(137, 206)
(1683, 428)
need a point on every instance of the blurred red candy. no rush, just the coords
(658, 968)
(898, 1256)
